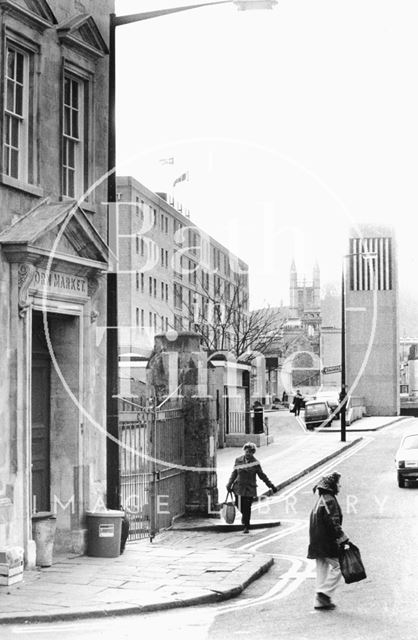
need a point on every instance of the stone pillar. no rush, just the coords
(198, 411)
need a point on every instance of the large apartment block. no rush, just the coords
(171, 274)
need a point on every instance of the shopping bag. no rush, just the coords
(228, 509)
(351, 563)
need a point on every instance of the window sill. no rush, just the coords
(86, 206)
(31, 189)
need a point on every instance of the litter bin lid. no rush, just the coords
(111, 513)
(43, 515)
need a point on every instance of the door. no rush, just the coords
(41, 392)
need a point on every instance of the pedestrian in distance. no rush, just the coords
(297, 403)
(325, 539)
(243, 482)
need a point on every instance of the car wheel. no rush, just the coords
(401, 482)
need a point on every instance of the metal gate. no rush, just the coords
(235, 409)
(152, 477)
(135, 469)
(169, 474)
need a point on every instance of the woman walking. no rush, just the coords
(325, 537)
(243, 482)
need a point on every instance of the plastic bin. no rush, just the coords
(103, 533)
(44, 525)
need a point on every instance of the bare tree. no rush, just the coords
(220, 314)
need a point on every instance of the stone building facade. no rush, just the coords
(54, 97)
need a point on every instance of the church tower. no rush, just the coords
(293, 286)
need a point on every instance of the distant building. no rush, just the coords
(372, 336)
(293, 361)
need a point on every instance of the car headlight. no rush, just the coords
(401, 464)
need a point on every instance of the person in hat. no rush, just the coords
(325, 538)
(243, 482)
(298, 403)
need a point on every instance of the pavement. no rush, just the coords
(197, 561)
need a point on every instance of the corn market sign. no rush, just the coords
(41, 282)
(57, 282)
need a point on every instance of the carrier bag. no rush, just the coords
(351, 563)
(228, 509)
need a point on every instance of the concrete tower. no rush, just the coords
(372, 340)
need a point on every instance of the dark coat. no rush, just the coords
(325, 527)
(298, 402)
(243, 477)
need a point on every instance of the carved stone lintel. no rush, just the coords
(94, 282)
(26, 273)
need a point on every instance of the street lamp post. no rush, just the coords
(112, 362)
(343, 394)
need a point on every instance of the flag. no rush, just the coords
(167, 160)
(182, 178)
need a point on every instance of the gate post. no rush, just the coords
(199, 418)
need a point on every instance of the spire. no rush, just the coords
(293, 284)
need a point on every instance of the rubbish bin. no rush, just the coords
(258, 418)
(103, 533)
(44, 525)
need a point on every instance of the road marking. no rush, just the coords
(300, 570)
(322, 470)
(301, 423)
(52, 628)
(295, 525)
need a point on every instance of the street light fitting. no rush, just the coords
(248, 5)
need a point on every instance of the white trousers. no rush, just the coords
(328, 575)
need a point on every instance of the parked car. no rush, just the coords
(317, 413)
(332, 397)
(407, 459)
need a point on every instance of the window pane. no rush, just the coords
(19, 100)
(7, 126)
(14, 163)
(74, 123)
(10, 101)
(64, 182)
(67, 91)
(19, 67)
(10, 63)
(67, 121)
(6, 161)
(74, 86)
(70, 183)
(71, 154)
(14, 132)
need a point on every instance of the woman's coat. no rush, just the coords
(325, 527)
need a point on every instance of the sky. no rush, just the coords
(293, 124)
